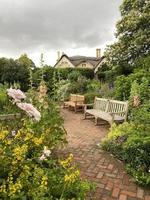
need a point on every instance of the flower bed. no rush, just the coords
(28, 167)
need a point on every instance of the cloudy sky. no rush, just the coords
(75, 27)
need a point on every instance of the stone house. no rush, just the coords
(79, 61)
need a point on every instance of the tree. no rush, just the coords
(28, 65)
(27, 62)
(16, 71)
(133, 34)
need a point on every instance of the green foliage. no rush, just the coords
(141, 116)
(87, 73)
(79, 86)
(50, 74)
(6, 107)
(3, 97)
(142, 63)
(74, 76)
(132, 33)
(28, 64)
(131, 143)
(129, 59)
(93, 85)
(141, 76)
(101, 73)
(62, 90)
(106, 91)
(90, 96)
(142, 90)
(15, 71)
(122, 87)
(29, 168)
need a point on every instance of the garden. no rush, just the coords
(29, 166)
(32, 129)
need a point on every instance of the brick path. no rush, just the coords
(96, 165)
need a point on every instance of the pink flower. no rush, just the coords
(43, 157)
(30, 110)
(17, 95)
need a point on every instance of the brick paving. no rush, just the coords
(97, 166)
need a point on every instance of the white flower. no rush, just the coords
(43, 157)
(13, 133)
(149, 170)
(17, 95)
(46, 152)
(30, 110)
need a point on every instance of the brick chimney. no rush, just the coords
(98, 53)
(58, 55)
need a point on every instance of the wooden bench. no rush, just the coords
(76, 102)
(108, 110)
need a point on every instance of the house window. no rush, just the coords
(84, 65)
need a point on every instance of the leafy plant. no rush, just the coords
(29, 167)
(131, 143)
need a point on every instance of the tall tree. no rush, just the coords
(29, 65)
(133, 34)
(27, 62)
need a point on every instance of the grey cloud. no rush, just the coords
(30, 24)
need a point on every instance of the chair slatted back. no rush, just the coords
(118, 106)
(101, 104)
(80, 98)
(73, 97)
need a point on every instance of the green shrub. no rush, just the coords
(78, 87)
(3, 97)
(74, 76)
(93, 85)
(137, 155)
(90, 96)
(123, 84)
(106, 91)
(130, 143)
(141, 116)
(63, 73)
(29, 167)
(116, 137)
(87, 73)
(142, 90)
(122, 88)
(6, 107)
(62, 90)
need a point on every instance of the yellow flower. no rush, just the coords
(8, 142)
(71, 178)
(3, 134)
(18, 134)
(29, 136)
(37, 141)
(3, 188)
(19, 152)
(66, 163)
(44, 181)
(14, 187)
